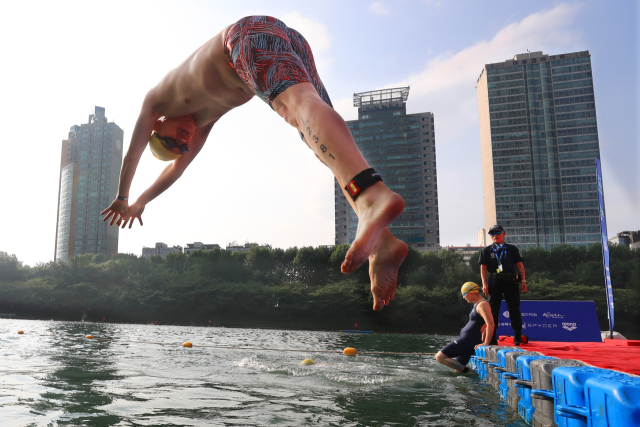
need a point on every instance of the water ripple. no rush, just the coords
(141, 375)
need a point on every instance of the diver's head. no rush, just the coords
(470, 291)
(171, 137)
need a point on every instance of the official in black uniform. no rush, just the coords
(503, 263)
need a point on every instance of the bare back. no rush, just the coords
(204, 86)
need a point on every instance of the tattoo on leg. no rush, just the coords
(459, 366)
(315, 138)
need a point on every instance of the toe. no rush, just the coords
(345, 266)
(352, 261)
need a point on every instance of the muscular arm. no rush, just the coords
(144, 125)
(169, 175)
(175, 169)
(143, 128)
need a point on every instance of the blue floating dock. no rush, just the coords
(565, 392)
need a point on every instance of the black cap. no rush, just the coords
(496, 229)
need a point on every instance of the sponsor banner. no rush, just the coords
(563, 321)
(605, 245)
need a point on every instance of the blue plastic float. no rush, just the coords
(581, 396)
(525, 407)
(569, 393)
(613, 401)
(504, 373)
(542, 394)
(500, 367)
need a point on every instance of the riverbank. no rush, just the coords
(299, 288)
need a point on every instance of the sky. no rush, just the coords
(255, 181)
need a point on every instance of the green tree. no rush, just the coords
(312, 264)
(536, 260)
(565, 258)
(11, 268)
(261, 259)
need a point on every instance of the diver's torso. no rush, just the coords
(204, 86)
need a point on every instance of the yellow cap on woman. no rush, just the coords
(470, 287)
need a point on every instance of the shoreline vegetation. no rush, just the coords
(300, 288)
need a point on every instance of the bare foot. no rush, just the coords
(377, 208)
(385, 260)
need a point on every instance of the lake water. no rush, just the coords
(139, 375)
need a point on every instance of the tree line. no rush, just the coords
(300, 288)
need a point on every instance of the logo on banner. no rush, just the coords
(506, 314)
(553, 315)
(569, 326)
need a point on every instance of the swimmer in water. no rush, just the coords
(260, 55)
(478, 331)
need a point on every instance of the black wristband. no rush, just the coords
(124, 199)
(362, 181)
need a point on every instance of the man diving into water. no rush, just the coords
(260, 55)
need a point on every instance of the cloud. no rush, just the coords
(449, 78)
(316, 33)
(378, 9)
(445, 85)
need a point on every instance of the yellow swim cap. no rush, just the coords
(160, 150)
(470, 287)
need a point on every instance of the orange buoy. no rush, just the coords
(89, 337)
(187, 344)
(349, 351)
(20, 332)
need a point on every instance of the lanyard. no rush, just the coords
(501, 256)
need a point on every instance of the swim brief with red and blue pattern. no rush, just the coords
(271, 57)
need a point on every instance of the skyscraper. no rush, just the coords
(89, 175)
(539, 142)
(401, 147)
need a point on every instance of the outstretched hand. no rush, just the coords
(122, 214)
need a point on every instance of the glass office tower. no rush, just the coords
(539, 142)
(401, 147)
(89, 175)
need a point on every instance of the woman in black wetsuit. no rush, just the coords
(477, 332)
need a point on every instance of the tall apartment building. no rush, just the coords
(89, 173)
(539, 142)
(401, 147)
(482, 237)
